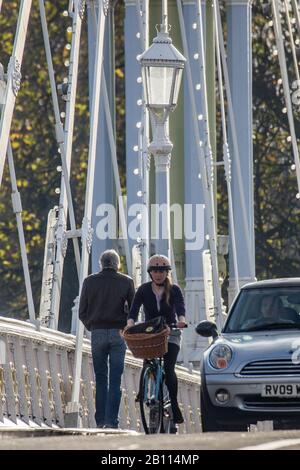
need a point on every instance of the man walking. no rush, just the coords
(103, 311)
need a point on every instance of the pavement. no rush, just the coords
(127, 440)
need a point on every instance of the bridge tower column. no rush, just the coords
(239, 53)
(137, 132)
(104, 186)
(194, 197)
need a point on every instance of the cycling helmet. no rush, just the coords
(158, 262)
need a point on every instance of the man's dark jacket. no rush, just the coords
(103, 300)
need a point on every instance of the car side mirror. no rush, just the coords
(207, 328)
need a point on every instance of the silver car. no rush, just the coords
(251, 370)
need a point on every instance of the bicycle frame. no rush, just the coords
(153, 401)
(156, 364)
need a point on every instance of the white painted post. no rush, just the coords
(10, 395)
(42, 368)
(48, 268)
(35, 397)
(19, 361)
(89, 392)
(53, 363)
(2, 395)
(65, 141)
(73, 408)
(13, 80)
(17, 208)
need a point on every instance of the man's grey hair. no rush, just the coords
(109, 259)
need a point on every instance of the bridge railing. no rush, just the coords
(36, 379)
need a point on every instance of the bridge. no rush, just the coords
(46, 375)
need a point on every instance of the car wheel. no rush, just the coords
(208, 422)
(209, 416)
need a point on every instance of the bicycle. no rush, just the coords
(153, 396)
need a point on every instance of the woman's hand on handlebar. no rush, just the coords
(181, 322)
(130, 323)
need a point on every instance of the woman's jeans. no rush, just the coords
(108, 350)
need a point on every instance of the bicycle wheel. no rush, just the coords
(150, 400)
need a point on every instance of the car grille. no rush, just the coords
(256, 401)
(273, 367)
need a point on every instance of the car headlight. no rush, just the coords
(220, 356)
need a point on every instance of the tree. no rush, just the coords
(277, 209)
(35, 150)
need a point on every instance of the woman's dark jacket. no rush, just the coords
(146, 297)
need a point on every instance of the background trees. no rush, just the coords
(277, 209)
(35, 150)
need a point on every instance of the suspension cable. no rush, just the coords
(114, 160)
(143, 141)
(202, 161)
(17, 206)
(226, 158)
(297, 14)
(285, 83)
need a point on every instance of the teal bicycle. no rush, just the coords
(153, 396)
(155, 405)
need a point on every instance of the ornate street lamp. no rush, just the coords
(162, 66)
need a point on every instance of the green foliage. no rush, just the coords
(35, 150)
(277, 209)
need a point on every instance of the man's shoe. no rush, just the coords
(111, 426)
(100, 426)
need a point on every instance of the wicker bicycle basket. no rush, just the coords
(147, 346)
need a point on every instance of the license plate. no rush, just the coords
(280, 390)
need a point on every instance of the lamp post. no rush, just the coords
(162, 66)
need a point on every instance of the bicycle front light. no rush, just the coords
(220, 357)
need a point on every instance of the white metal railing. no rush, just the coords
(36, 380)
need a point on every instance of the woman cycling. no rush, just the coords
(161, 297)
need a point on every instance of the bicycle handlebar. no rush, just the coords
(174, 326)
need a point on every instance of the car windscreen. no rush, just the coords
(265, 309)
